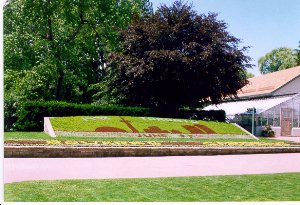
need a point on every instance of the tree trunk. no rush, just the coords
(59, 86)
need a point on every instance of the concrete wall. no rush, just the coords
(48, 127)
(277, 131)
(46, 152)
(296, 131)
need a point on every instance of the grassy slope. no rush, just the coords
(273, 187)
(85, 123)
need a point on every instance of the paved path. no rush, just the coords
(23, 169)
(293, 139)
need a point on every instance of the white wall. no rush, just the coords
(296, 131)
(290, 88)
(277, 131)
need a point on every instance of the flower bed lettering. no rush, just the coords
(141, 125)
(193, 129)
(109, 129)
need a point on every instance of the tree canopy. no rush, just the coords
(298, 54)
(175, 58)
(54, 50)
(277, 59)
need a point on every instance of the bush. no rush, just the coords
(267, 131)
(11, 106)
(213, 115)
(31, 116)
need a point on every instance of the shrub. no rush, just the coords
(11, 106)
(267, 131)
(31, 116)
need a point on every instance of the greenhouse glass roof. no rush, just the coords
(239, 107)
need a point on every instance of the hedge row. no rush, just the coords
(31, 116)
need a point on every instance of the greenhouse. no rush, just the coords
(281, 113)
(268, 101)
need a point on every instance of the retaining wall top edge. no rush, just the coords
(206, 148)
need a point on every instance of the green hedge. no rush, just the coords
(31, 116)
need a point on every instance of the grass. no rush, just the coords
(86, 123)
(271, 187)
(26, 135)
(44, 136)
(89, 124)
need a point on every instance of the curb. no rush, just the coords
(77, 152)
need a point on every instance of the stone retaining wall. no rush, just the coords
(53, 152)
(48, 127)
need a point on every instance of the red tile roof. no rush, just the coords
(268, 83)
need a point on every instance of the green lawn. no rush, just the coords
(272, 187)
(90, 123)
(44, 136)
(26, 135)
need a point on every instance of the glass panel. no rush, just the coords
(276, 121)
(270, 119)
(286, 113)
(295, 122)
(264, 120)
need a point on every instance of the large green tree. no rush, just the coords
(175, 58)
(277, 59)
(54, 49)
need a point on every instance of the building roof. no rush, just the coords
(269, 83)
(239, 107)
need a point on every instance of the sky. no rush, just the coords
(262, 24)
